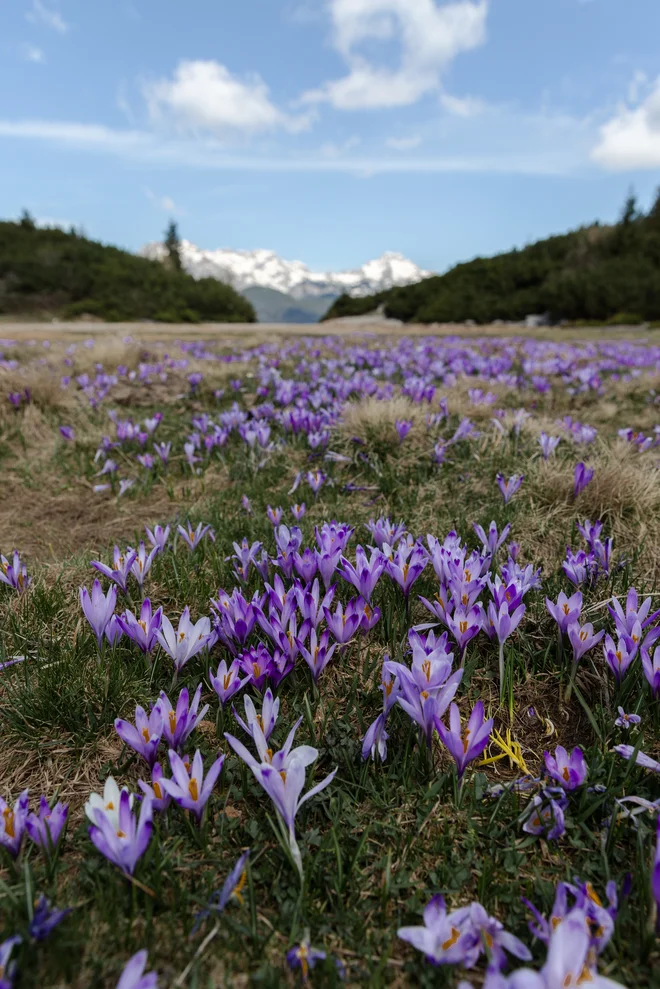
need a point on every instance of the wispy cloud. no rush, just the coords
(165, 203)
(547, 158)
(33, 54)
(48, 16)
(404, 143)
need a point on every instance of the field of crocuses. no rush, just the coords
(330, 661)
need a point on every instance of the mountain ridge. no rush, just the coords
(266, 269)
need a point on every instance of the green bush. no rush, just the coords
(594, 275)
(52, 273)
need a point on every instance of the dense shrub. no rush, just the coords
(51, 272)
(590, 274)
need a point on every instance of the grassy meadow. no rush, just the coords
(410, 429)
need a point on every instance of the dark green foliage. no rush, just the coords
(173, 245)
(50, 272)
(593, 273)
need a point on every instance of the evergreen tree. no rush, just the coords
(27, 220)
(173, 245)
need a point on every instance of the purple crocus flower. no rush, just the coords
(375, 739)
(283, 780)
(274, 515)
(299, 512)
(489, 932)
(465, 744)
(444, 938)
(143, 631)
(123, 839)
(570, 771)
(405, 564)
(546, 815)
(193, 537)
(119, 571)
(319, 653)
(257, 662)
(98, 607)
(124, 486)
(464, 624)
(343, 624)
(566, 611)
(403, 427)
(655, 877)
(304, 957)
(163, 451)
(160, 800)
(548, 444)
(619, 656)
(502, 623)
(67, 432)
(191, 790)
(14, 574)
(651, 667)
(145, 735)
(582, 639)
(366, 573)
(187, 641)
(306, 564)
(491, 541)
(583, 475)
(510, 486)
(158, 536)
(13, 822)
(231, 889)
(44, 919)
(265, 721)
(134, 976)
(179, 723)
(626, 720)
(316, 479)
(142, 563)
(45, 827)
(626, 752)
(634, 613)
(7, 967)
(227, 682)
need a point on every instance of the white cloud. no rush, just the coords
(462, 106)
(163, 202)
(404, 143)
(430, 36)
(631, 138)
(41, 14)
(33, 54)
(203, 96)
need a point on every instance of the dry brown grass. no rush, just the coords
(51, 525)
(624, 493)
(374, 419)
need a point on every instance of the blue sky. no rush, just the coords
(329, 130)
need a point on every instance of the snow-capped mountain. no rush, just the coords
(245, 269)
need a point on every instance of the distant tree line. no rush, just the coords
(51, 272)
(597, 273)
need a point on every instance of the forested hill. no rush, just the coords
(48, 272)
(595, 273)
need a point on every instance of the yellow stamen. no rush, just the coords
(463, 627)
(239, 886)
(8, 815)
(121, 834)
(158, 790)
(451, 941)
(172, 722)
(193, 789)
(145, 734)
